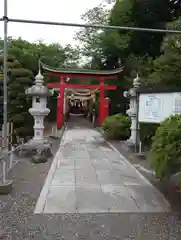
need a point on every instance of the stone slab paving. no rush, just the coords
(89, 176)
(18, 221)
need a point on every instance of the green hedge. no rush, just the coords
(117, 127)
(146, 133)
(165, 151)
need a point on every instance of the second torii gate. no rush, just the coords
(62, 85)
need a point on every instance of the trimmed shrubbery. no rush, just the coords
(116, 127)
(146, 134)
(166, 148)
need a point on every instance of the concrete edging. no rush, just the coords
(138, 172)
(39, 207)
(131, 165)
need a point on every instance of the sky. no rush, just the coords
(48, 10)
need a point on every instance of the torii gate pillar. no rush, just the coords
(101, 103)
(105, 109)
(60, 104)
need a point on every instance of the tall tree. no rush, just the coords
(166, 67)
(148, 14)
(135, 50)
(90, 38)
(107, 48)
(115, 49)
(174, 9)
(52, 54)
(115, 42)
(18, 104)
(28, 54)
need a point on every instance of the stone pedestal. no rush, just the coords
(6, 187)
(38, 151)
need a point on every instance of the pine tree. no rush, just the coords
(18, 103)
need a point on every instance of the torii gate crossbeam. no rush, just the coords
(105, 87)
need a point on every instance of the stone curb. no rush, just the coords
(126, 160)
(60, 132)
(100, 130)
(42, 198)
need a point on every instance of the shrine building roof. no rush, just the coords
(82, 72)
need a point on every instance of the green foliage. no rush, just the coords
(116, 127)
(165, 150)
(166, 67)
(135, 49)
(106, 49)
(114, 41)
(140, 52)
(18, 103)
(23, 65)
(166, 72)
(91, 37)
(52, 105)
(147, 14)
(28, 54)
(146, 133)
(142, 65)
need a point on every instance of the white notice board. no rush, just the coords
(156, 107)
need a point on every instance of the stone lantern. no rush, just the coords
(39, 148)
(39, 108)
(132, 95)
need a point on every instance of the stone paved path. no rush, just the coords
(90, 176)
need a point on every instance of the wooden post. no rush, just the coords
(8, 134)
(11, 133)
(2, 141)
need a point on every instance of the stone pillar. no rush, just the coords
(132, 95)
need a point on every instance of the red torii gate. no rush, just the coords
(63, 73)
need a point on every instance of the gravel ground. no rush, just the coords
(17, 221)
